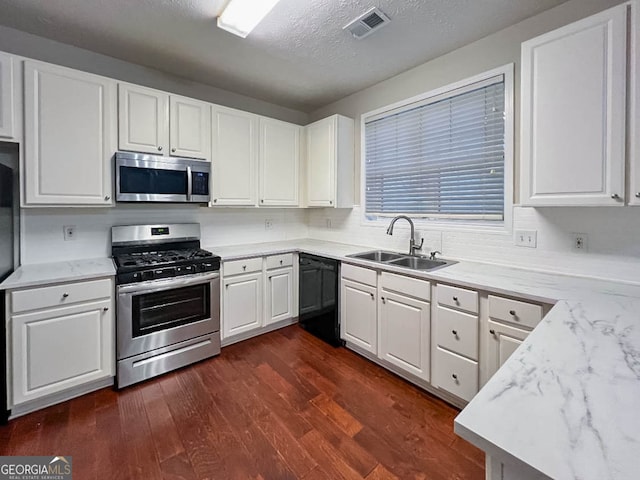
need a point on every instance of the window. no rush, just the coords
(441, 156)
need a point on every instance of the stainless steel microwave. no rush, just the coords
(152, 178)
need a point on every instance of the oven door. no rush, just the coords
(148, 178)
(159, 313)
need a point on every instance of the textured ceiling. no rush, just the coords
(298, 57)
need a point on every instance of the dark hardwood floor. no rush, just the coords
(280, 406)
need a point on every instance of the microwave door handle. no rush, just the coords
(189, 184)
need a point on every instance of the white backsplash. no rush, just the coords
(613, 250)
(42, 236)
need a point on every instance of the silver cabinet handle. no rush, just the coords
(215, 200)
(512, 313)
(637, 194)
(372, 296)
(615, 196)
(244, 267)
(330, 202)
(454, 332)
(384, 300)
(262, 201)
(280, 262)
(492, 331)
(105, 309)
(65, 295)
(173, 150)
(159, 148)
(189, 184)
(107, 198)
(454, 376)
(455, 299)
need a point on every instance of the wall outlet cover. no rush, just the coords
(580, 242)
(268, 224)
(69, 232)
(526, 238)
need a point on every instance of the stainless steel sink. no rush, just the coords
(413, 262)
(418, 263)
(377, 256)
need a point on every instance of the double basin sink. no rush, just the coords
(413, 262)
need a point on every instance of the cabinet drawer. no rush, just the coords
(359, 274)
(455, 374)
(277, 261)
(514, 311)
(457, 331)
(457, 297)
(247, 265)
(411, 287)
(60, 295)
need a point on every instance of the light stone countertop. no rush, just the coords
(566, 403)
(57, 272)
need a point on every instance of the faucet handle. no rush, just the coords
(432, 255)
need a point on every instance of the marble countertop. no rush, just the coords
(565, 404)
(56, 272)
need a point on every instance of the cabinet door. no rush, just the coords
(242, 304)
(279, 163)
(404, 333)
(573, 113)
(634, 106)
(502, 341)
(7, 96)
(190, 128)
(70, 133)
(143, 119)
(358, 315)
(234, 156)
(321, 159)
(57, 349)
(279, 295)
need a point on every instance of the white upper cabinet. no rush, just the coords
(573, 113)
(234, 157)
(70, 136)
(143, 119)
(7, 96)
(190, 128)
(151, 121)
(279, 163)
(330, 162)
(634, 104)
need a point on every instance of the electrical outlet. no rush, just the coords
(268, 224)
(526, 238)
(69, 232)
(328, 223)
(580, 242)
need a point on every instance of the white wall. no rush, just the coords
(613, 249)
(42, 238)
(39, 48)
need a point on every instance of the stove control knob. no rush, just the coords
(137, 277)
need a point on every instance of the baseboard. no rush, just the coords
(419, 382)
(259, 331)
(53, 399)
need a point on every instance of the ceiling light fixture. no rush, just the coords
(241, 16)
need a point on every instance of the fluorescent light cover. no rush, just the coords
(241, 16)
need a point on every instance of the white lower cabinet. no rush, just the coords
(279, 298)
(258, 295)
(242, 303)
(404, 333)
(502, 341)
(359, 315)
(455, 374)
(56, 348)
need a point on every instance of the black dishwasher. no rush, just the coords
(318, 280)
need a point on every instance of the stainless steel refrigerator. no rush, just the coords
(8, 250)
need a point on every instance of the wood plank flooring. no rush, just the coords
(281, 406)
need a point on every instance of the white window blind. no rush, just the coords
(442, 157)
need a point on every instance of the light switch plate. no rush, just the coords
(526, 238)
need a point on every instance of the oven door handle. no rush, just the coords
(159, 285)
(189, 184)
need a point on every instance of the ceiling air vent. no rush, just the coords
(367, 23)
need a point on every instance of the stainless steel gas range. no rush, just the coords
(168, 299)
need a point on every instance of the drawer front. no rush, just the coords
(247, 265)
(411, 287)
(60, 295)
(359, 274)
(458, 332)
(277, 261)
(459, 298)
(455, 374)
(514, 311)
